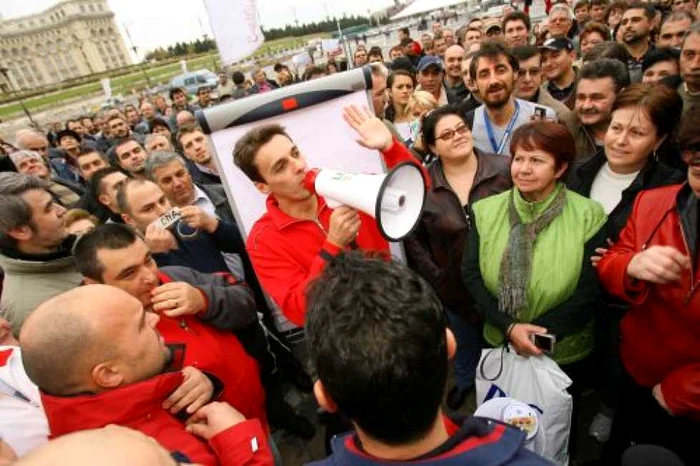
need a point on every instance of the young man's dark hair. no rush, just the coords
(607, 68)
(375, 51)
(238, 78)
(376, 335)
(524, 52)
(492, 50)
(15, 211)
(248, 146)
(608, 49)
(202, 89)
(94, 186)
(176, 90)
(157, 122)
(112, 152)
(649, 10)
(405, 31)
(111, 236)
(659, 55)
(516, 16)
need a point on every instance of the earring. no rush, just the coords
(656, 156)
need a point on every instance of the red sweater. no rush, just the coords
(138, 406)
(220, 353)
(288, 252)
(660, 341)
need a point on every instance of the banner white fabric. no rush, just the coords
(236, 28)
(106, 87)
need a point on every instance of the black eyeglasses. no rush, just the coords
(450, 133)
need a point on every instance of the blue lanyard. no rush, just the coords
(498, 148)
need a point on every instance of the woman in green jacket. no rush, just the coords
(528, 262)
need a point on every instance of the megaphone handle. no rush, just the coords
(332, 203)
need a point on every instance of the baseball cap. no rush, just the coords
(561, 43)
(491, 23)
(429, 60)
(65, 133)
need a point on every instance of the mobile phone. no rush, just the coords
(541, 113)
(544, 341)
(168, 219)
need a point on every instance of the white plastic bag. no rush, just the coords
(537, 381)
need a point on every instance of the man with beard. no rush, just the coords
(601, 81)
(195, 148)
(493, 68)
(35, 247)
(454, 84)
(689, 90)
(129, 155)
(529, 81)
(119, 129)
(636, 25)
(673, 29)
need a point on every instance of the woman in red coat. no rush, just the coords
(654, 266)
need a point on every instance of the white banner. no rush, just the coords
(236, 28)
(106, 87)
(183, 66)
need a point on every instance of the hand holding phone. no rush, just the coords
(544, 341)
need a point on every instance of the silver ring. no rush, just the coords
(184, 235)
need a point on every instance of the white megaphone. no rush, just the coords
(395, 200)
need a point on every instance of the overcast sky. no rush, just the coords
(154, 23)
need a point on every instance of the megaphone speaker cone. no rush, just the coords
(400, 201)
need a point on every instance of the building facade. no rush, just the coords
(71, 39)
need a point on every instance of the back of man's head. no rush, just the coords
(58, 342)
(238, 78)
(377, 339)
(113, 445)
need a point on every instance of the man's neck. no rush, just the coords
(566, 79)
(305, 210)
(453, 82)
(36, 250)
(436, 437)
(598, 130)
(638, 49)
(501, 116)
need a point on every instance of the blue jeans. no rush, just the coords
(469, 339)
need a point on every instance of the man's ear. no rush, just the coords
(128, 220)
(90, 281)
(104, 199)
(21, 233)
(323, 398)
(451, 344)
(264, 188)
(6, 336)
(106, 375)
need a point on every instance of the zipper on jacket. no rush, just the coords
(693, 285)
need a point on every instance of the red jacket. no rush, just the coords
(661, 330)
(288, 253)
(220, 353)
(138, 406)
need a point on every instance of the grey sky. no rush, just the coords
(154, 23)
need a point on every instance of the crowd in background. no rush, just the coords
(562, 169)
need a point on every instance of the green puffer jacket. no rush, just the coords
(563, 293)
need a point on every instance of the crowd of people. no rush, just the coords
(562, 169)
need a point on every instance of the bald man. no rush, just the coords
(98, 360)
(454, 84)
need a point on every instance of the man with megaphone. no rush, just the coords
(291, 243)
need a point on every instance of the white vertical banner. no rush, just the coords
(236, 27)
(183, 66)
(106, 87)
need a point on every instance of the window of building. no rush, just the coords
(82, 8)
(100, 7)
(92, 7)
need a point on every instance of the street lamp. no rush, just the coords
(4, 72)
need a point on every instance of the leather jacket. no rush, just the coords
(436, 247)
